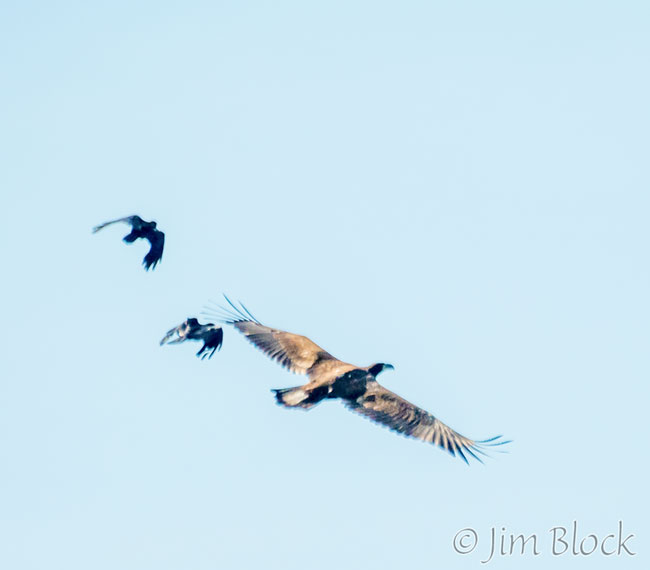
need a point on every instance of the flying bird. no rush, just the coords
(355, 386)
(142, 229)
(210, 334)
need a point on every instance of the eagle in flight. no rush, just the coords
(355, 386)
(142, 229)
(210, 334)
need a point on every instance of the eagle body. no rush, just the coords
(351, 385)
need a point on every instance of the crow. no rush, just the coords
(211, 335)
(142, 229)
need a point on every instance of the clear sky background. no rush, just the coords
(460, 189)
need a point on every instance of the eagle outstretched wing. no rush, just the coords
(387, 408)
(293, 351)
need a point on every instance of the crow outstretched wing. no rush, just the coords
(212, 341)
(157, 240)
(133, 220)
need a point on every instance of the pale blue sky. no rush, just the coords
(459, 189)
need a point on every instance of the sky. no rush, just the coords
(458, 189)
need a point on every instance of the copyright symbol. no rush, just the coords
(465, 541)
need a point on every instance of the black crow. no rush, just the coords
(142, 229)
(211, 335)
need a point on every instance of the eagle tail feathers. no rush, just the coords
(292, 397)
(300, 397)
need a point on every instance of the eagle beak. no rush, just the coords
(389, 367)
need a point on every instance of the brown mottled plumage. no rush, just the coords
(356, 386)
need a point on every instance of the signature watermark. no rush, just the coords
(558, 541)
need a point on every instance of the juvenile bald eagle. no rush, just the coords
(210, 334)
(142, 229)
(355, 386)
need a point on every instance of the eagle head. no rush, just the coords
(378, 368)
